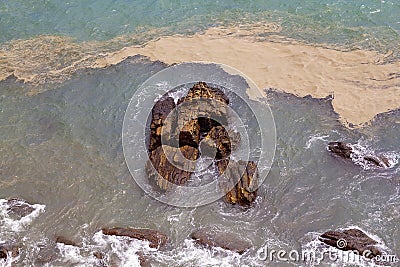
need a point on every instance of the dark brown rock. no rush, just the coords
(379, 161)
(98, 255)
(239, 181)
(341, 149)
(6, 249)
(18, 207)
(157, 239)
(211, 237)
(162, 108)
(189, 133)
(354, 239)
(160, 170)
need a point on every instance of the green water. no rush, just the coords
(373, 24)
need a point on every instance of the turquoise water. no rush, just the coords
(374, 24)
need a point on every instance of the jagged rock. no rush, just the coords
(240, 181)
(156, 239)
(218, 141)
(346, 151)
(18, 207)
(160, 170)
(354, 239)
(211, 237)
(189, 133)
(206, 103)
(341, 149)
(6, 249)
(66, 241)
(162, 108)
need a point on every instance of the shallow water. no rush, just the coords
(61, 146)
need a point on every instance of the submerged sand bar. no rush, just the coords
(362, 86)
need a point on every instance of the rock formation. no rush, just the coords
(162, 108)
(169, 164)
(239, 181)
(352, 239)
(8, 249)
(346, 151)
(19, 208)
(156, 239)
(197, 123)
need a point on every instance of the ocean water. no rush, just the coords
(62, 147)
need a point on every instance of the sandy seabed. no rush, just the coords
(362, 85)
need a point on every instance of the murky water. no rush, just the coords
(62, 149)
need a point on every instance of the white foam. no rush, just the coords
(15, 225)
(314, 138)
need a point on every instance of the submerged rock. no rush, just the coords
(170, 164)
(18, 207)
(346, 151)
(211, 237)
(66, 241)
(8, 249)
(156, 239)
(379, 161)
(341, 149)
(239, 181)
(352, 239)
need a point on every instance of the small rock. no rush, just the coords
(6, 249)
(19, 207)
(341, 149)
(211, 237)
(98, 255)
(352, 239)
(157, 239)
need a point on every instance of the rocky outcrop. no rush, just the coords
(170, 164)
(346, 151)
(211, 237)
(156, 239)
(162, 108)
(198, 122)
(8, 249)
(352, 239)
(239, 181)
